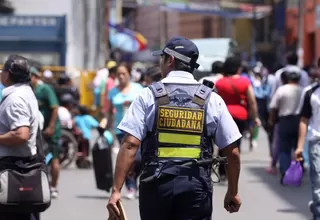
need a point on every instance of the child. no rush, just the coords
(85, 123)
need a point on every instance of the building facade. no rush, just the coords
(83, 36)
(311, 30)
(158, 26)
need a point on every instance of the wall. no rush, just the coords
(311, 37)
(48, 7)
(150, 23)
(74, 11)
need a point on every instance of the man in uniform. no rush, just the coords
(175, 122)
(48, 106)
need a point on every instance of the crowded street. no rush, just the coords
(159, 110)
(262, 196)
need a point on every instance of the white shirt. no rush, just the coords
(18, 109)
(310, 108)
(304, 78)
(65, 117)
(286, 99)
(213, 78)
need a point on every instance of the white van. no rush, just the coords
(213, 49)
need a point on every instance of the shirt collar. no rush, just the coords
(180, 77)
(10, 89)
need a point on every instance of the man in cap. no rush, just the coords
(175, 121)
(48, 106)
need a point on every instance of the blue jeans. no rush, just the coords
(314, 159)
(131, 180)
(288, 129)
(306, 151)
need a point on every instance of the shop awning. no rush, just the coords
(228, 9)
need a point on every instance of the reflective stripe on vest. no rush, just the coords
(179, 152)
(172, 138)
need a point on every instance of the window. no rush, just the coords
(207, 27)
(292, 3)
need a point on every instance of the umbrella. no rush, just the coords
(125, 39)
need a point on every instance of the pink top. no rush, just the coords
(110, 83)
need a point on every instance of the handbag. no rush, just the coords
(293, 175)
(24, 184)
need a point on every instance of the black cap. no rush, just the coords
(182, 49)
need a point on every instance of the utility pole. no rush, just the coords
(163, 20)
(300, 50)
(254, 34)
(119, 4)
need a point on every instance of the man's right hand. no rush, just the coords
(232, 203)
(298, 154)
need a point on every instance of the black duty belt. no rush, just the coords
(166, 169)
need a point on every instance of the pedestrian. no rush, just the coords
(292, 61)
(310, 116)
(109, 84)
(238, 94)
(153, 74)
(49, 105)
(283, 107)
(175, 121)
(120, 98)
(216, 72)
(19, 119)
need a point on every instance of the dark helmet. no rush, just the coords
(18, 68)
(63, 80)
(67, 99)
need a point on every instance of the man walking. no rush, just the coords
(175, 121)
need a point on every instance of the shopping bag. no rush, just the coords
(294, 174)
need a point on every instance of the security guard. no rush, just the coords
(175, 122)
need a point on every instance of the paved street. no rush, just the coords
(262, 196)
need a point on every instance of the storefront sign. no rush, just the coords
(25, 21)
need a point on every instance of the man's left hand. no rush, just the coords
(49, 131)
(112, 207)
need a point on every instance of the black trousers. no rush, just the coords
(177, 197)
(13, 216)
